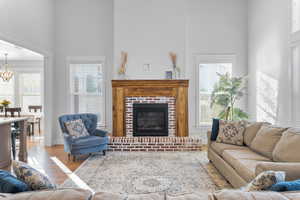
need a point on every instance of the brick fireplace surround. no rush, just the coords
(171, 92)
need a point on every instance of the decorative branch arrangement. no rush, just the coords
(173, 57)
(176, 69)
(122, 69)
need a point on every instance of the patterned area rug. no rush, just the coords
(171, 173)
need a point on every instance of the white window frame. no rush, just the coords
(208, 58)
(19, 93)
(87, 60)
(294, 41)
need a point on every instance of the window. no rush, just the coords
(207, 68)
(296, 83)
(87, 89)
(30, 86)
(295, 15)
(7, 90)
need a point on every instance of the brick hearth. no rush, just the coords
(155, 144)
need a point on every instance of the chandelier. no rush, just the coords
(6, 74)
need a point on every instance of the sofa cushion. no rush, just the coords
(288, 148)
(231, 132)
(220, 147)
(214, 130)
(286, 186)
(241, 195)
(265, 140)
(244, 162)
(291, 169)
(32, 177)
(251, 130)
(59, 194)
(264, 181)
(10, 184)
(76, 128)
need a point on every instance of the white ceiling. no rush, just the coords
(17, 53)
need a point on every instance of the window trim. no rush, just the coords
(208, 58)
(294, 41)
(86, 60)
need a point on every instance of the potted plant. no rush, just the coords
(227, 91)
(5, 103)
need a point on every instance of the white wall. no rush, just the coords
(28, 23)
(84, 29)
(215, 27)
(149, 29)
(268, 60)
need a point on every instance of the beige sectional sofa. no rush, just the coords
(80, 194)
(265, 148)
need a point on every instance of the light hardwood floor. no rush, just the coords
(43, 158)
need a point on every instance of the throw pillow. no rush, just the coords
(251, 130)
(214, 130)
(288, 148)
(286, 186)
(231, 132)
(265, 180)
(76, 128)
(32, 177)
(10, 184)
(265, 140)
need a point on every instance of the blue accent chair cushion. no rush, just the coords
(96, 141)
(286, 186)
(215, 130)
(10, 184)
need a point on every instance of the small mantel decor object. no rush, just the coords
(176, 69)
(169, 74)
(6, 74)
(122, 69)
(227, 91)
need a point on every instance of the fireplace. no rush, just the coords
(150, 119)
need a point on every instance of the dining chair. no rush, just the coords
(35, 119)
(12, 111)
(15, 128)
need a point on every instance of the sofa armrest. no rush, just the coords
(208, 138)
(68, 138)
(100, 133)
(292, 169)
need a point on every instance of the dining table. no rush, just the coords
(5, 139)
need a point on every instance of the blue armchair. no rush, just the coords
(97, 140)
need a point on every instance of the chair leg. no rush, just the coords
(104, 152)
(69, 156)
(13, 145)
(74, 158)
(39, 127)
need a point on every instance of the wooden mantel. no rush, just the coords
(150, 88)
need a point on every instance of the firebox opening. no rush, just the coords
(150, 119)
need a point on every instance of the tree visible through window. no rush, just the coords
(87, 89)
(207, 79)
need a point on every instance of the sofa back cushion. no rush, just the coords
(265, 140)
(57, 194)
(288, 147)
(251, 130)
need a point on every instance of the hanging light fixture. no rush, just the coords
(6, 74)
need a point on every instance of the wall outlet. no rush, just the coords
(147, 67)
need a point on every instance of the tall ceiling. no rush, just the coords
(17, 53)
